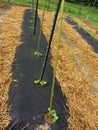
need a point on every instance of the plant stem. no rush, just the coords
(35, 20)
(41, 27)
(50, 41)
(57, 53)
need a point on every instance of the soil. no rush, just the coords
(77, 70)
(49, 118)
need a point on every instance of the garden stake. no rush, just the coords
(37, 53)
(52, 113)
(35, 21)
(50, 40)
(38, 81)
(32, 5)
(32, 10)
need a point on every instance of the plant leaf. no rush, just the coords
(53, 112)
(49, 109)
(55, 118)
(36, 81)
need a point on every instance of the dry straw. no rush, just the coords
(71, 74)
(77, 65)
(9, 40)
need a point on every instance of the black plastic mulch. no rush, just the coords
(85, 35)
(28, 102)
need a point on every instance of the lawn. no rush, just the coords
(23, 2)
(86, 12)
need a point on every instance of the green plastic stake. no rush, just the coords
(57, 52)
(52, 112)
(41, 29)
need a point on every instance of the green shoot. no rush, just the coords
(40, 83)
(38, 54)
(51, 116)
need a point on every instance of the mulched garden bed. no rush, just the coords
(77, 68)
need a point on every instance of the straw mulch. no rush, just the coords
(77, 72)
(77, 68)
(93, 30)
(10, 32)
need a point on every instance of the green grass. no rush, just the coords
(77, 10)
(21, 2)
(3, 0)
(70, 8)
(82, 11)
